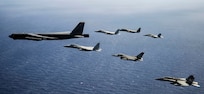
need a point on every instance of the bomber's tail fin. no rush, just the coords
(190, 79)
(140, 55)
(97, 47)
(138, 30)
(117, 31)
(78, 30)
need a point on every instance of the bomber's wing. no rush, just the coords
(40, 37)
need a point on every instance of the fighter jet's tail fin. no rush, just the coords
(78, 30)
(190, 79)
(138, 30)
(97, 47)
(159, 35)
(140, 55)
(117, 31)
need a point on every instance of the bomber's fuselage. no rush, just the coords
(54, 36)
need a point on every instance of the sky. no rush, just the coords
(162, 11)
(113, 7)
(189, 9)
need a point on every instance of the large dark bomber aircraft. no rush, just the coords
(76, 33)
(181, 81)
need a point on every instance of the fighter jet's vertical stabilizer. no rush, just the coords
(138, 30)
(97, 47)
(140, 55)
(190, 79)
(117, 32)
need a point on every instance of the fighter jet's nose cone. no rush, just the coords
(11, 36)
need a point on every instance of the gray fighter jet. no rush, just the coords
(181, 81)
(131, 31)
(85, 48)
(76, 33)
(108, 32)
(154, 36)
(131, 58)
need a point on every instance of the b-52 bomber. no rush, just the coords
(76, 33)
(154, 36)
(131, 58)
(131, 31)
(181, 81)
(108, 32)
(85, 48)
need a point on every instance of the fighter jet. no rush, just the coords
(181, 81)
(85, 48)
(131, 31)
(76, 33)
(108, 32)
(131, 58)
(154, 36)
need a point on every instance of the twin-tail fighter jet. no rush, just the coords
(76, 33)
(131, 31)
(85, 48)
(108, 32)
(181, 81)
(154, 36)
(131, 58)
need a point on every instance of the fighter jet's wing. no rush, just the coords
(119, 55)
(125, 57)
(107, 32)
(195, 84)
(72, 46)
(83, 48)
(36, 36)
(178, 81)
(102, 31)
(149, 35)
(182, 83)
(170, 79)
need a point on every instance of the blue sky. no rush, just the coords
(166, 11)
(192, 9)
(116, 7)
